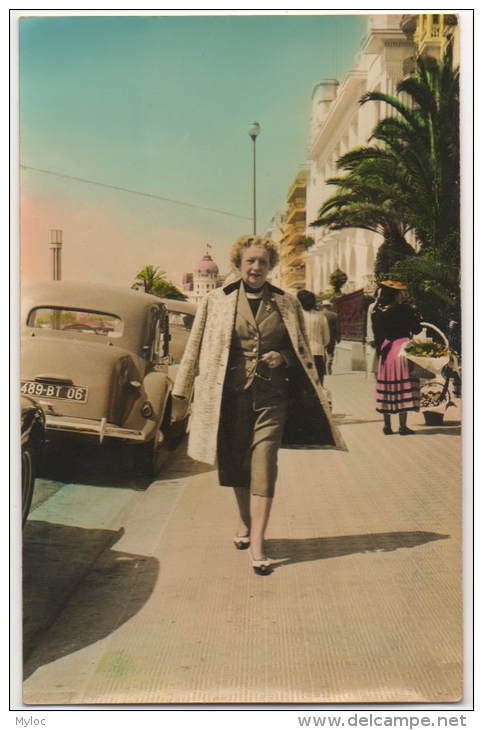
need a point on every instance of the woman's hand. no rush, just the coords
(272, 359)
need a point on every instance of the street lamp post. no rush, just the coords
(254, 131)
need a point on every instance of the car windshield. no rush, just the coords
(76, 320)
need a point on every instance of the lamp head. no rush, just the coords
(254, 130)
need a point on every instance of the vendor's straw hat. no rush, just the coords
(394, 285)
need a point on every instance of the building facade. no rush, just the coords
(292, 249)
(431, 33)
(276, 232)
(339, 124)
(204, 278)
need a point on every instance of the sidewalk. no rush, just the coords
(364, 604)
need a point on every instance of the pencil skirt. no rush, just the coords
(250, 434)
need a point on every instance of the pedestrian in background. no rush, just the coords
(334, 330)
(394, 321)
(371, 354)
(255, 387)
(317, 330)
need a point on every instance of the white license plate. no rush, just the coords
(52, 390)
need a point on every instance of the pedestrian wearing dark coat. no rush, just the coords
(334, 331)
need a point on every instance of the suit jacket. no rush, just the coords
(204, 368)
(254, 336)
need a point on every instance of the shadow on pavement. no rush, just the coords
(76, 588)
(450, 428)
(343, 420)
(322, 548)
(103, 465)
(182, 465)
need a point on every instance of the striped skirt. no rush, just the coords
(396, 390)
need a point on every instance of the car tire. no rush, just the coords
(28, 479)
(146, 457)
(177, 431)
(151, 456)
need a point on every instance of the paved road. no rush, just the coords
(364, 604)
(80, 503)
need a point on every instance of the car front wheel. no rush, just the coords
(28, 480)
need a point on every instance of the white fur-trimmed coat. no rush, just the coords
(204, 363)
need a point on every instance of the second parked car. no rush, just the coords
(181, 317)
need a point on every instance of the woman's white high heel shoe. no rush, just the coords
(261, 567)
(241, 543)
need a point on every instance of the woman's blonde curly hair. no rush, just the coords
(247, 241)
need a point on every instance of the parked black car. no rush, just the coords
(33, 440)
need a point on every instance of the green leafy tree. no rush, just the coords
(307, 242)
(337, 280)
(423, 140)
(368, 198)
(152, 280)
(408, 179)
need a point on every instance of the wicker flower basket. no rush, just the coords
(426, 356)
(434, 401)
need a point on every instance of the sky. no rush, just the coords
(134, 132)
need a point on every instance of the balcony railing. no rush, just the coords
(296, 211)
(299, 185)
(295, 277)
(296, 255)
(294, 233)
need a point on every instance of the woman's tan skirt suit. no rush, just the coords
(242, 410)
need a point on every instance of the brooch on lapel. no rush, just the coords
(268, 307)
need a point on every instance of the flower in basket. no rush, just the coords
(430, 398)
(428, 356)
(426, 349)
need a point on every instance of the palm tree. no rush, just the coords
(409, 181)
(153, 282)
(149, 277)
(423, 139)
(365, 200)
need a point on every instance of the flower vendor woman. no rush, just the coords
(394, 321)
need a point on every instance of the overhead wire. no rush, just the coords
(134, 192)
